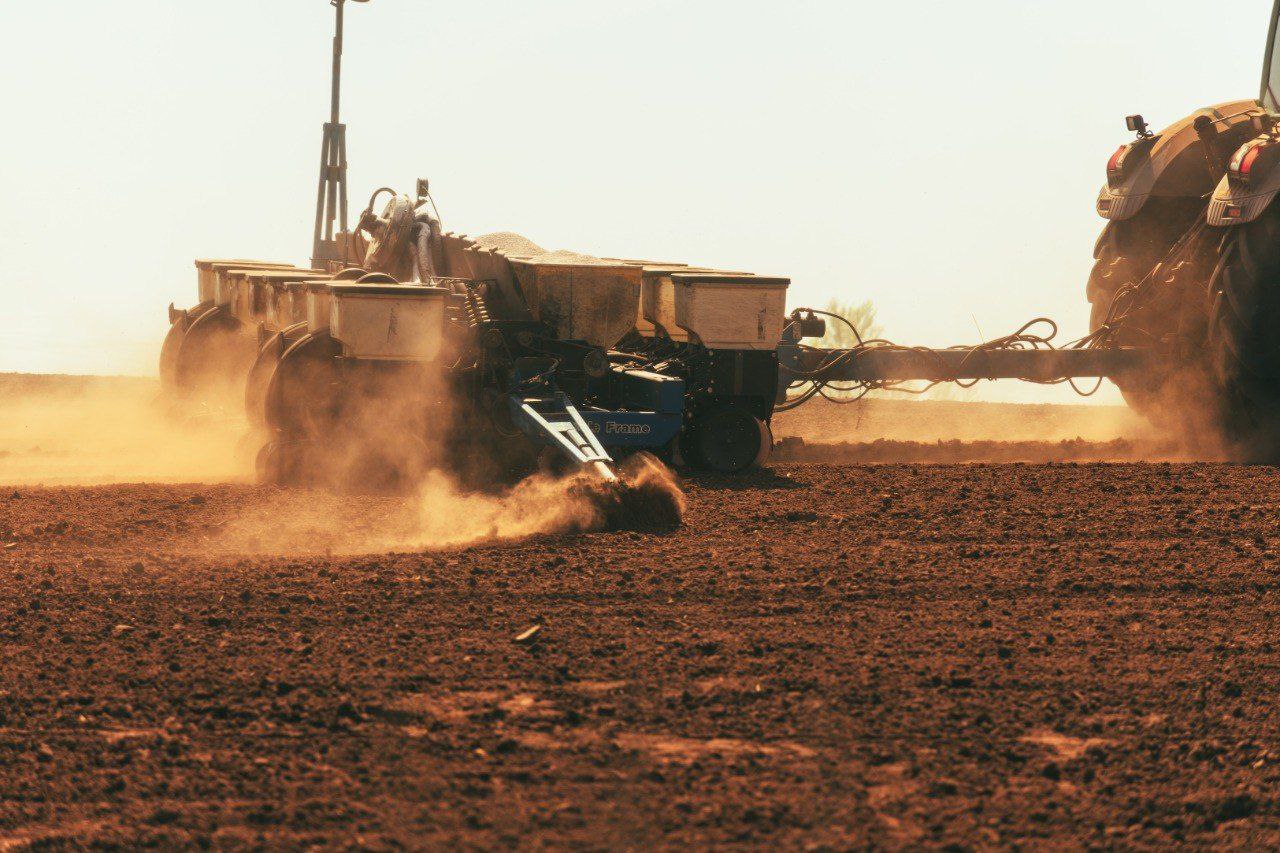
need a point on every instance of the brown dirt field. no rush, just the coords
(823, 657)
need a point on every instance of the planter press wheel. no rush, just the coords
(281, 464)
(297, 398)
(296, 410)
(728, 439)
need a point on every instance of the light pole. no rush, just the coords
(331, 195)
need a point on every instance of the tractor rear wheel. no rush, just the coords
(1244, 347)
(1112, 269)
(1125, 253)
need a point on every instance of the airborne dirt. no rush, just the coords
(86, 430)
(891, 429)
(93, 429)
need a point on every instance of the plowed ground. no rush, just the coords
(823, 656)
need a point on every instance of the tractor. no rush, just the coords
(1188, 266)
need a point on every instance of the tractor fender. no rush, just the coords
(1172, 162)
(1238, 199)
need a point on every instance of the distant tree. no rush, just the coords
(861, 315)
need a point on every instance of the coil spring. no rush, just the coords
(477, 311)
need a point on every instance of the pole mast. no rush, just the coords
(331, 192)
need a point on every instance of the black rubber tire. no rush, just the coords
(1125, 253)
(727, 440)
(1244, 346)
(1120, 259)
(1128, 249)
(1113, 268)
(280, 464)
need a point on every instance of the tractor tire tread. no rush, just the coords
(1245, 350)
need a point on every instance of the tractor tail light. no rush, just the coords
(1117, 160)
(1246, 157)
(1246, 162)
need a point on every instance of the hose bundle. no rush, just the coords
(823, 379)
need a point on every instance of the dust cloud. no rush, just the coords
(911, 420)
(887, 430)
(73, 431)
(541, 503)
(85, 430)
(440, 514)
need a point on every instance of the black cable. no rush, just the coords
(820, 379)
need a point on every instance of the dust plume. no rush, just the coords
(85, 430)
(407, 430)
(879, 431)
(74, 431)
(441, 513)
(647, 497)
(896, 419)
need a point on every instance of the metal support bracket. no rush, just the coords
(557, 421)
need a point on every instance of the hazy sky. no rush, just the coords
(939, 158)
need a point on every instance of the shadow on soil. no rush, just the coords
(763, 479)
